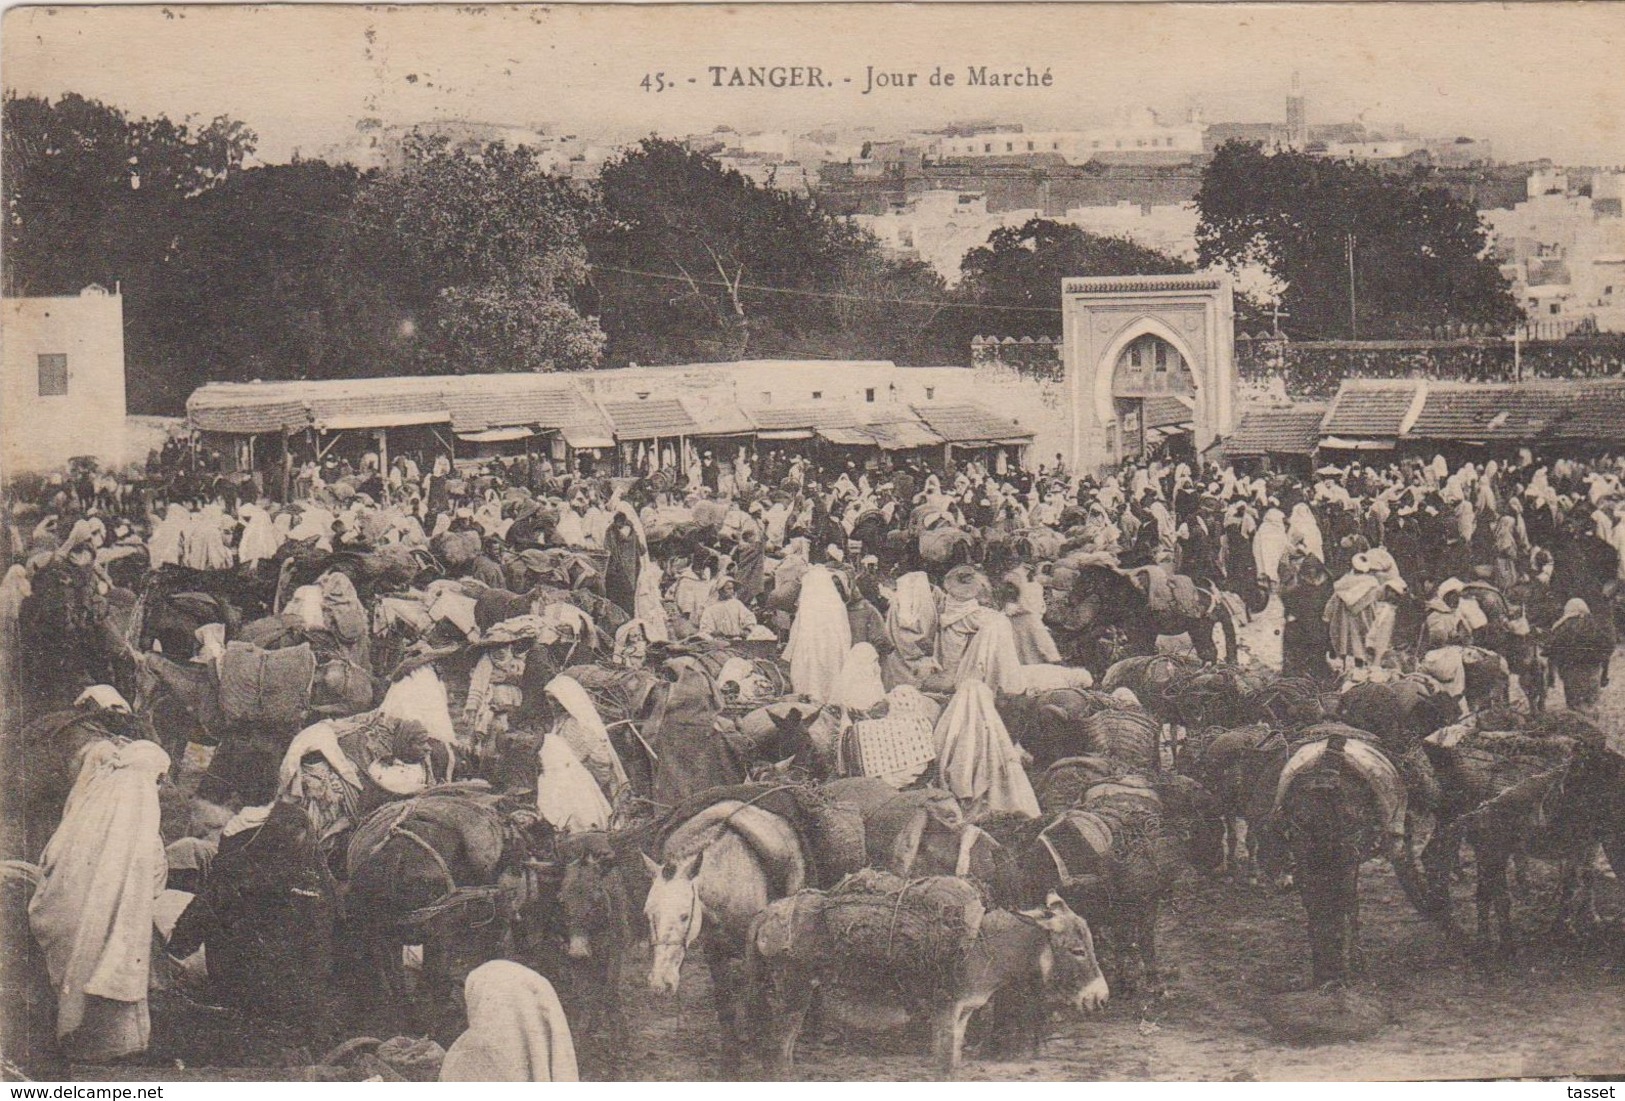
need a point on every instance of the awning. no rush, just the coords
(847, 437)
(902, 435)
(344, 421)
(785, 434)
(1343, 444)
(496, 435)
(583, 438)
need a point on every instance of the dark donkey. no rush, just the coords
(1339, 802)
(446, 870)
(1106, 615)
(594, 912)
(1559, 815)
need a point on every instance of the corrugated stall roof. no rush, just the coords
(1596, 413)
(1365, 408)
(1293, 430)
(1517, 413)
(207, 412)
(818, 415)
(902, 435)
(648, 418)
(476, 408)
(969, 423)
(1166, 410)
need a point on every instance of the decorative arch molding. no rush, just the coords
(1106, 366)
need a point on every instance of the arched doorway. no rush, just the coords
(1153, 399)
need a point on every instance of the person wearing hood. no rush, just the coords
(517, 1031)
(1270, 545)
(624, 554)
(93, 911)
(911, 628)
(1303, 532)
(976, 759)
(1352, 614)
(1579, 649)
(820, 636)
(260, 538)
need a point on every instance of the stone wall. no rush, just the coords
(1314, 369)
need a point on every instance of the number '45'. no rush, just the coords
(653, 82)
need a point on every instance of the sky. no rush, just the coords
(1537, 79)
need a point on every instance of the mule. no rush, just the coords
(720, 869)
(1559, 815)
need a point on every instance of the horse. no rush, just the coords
(1106, 614)
(719, 870)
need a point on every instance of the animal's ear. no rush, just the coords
(1056, 906)
(690, 868)
(649, 865)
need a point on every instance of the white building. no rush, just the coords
(1374, 149)
(62, 394)
(1168, 227)
(939, 227)
(1565, 253)
(1139, 132)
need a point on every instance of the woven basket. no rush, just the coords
(1129, 736)
(918, 931)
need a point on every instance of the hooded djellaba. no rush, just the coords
(517, 1031)
(92, 915)
(1579, 648)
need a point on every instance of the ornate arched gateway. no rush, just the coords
(1148, 359)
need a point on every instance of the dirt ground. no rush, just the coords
(1559, 1010)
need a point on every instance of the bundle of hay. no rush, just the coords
(908, 931)
(414, 1059)
(1323, 1016)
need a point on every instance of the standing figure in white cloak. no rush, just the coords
(820, 636)
(103, 871)
(976, 759)
(1270, 544)
(911, 625)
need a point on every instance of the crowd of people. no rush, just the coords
(906, 594)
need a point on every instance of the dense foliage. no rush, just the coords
(1418, 253)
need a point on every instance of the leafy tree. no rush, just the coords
(1419, 253)
(694, 261)
(1011, 286)
(259, 279)
(90, 192)
(492, 257)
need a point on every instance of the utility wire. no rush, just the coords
(941, 305)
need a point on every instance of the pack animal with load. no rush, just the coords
(883, 950)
